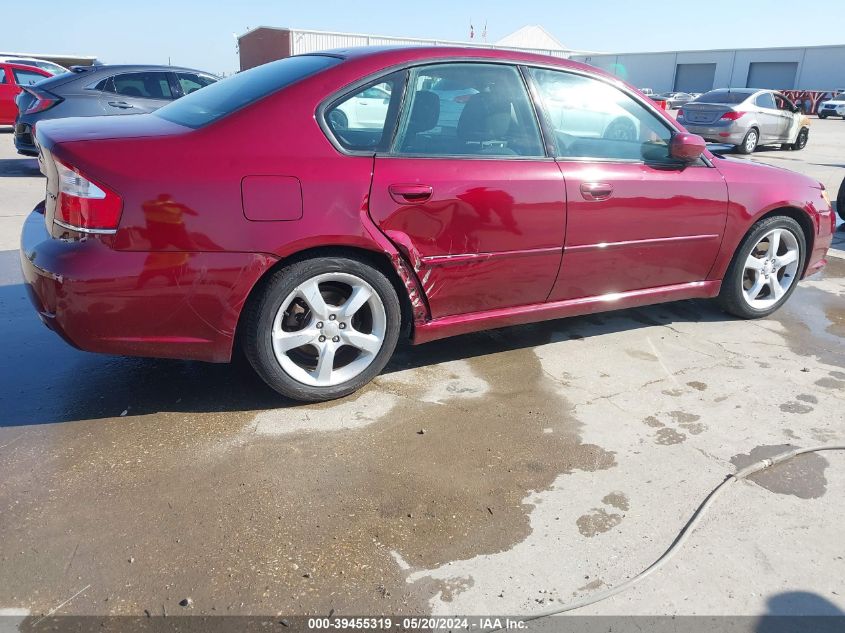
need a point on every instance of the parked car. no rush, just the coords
(43, 64)
(840, 201)
(13, 79)
(746, 118)
(675, 100)
(833, 107)
(102, 90)
(648, 92)
(242, 214)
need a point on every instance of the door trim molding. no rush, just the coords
(655, 241)
(463, 258)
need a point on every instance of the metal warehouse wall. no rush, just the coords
(265, 44)
(819, 67)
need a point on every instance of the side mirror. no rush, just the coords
(686, 148)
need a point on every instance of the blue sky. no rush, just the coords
(198, 33)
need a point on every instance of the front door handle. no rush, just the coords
(121, 104)
(596, 190)
(403, 194)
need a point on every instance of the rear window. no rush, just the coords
(720, 96)
(224, 97)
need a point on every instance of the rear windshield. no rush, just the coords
(722, 96)
(219, 99)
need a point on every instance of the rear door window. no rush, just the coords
(468, 109)
(765, 100)
(145, 85)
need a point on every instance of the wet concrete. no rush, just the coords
(803, 476)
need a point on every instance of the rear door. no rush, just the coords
(136, 92)
(472, 199)
(768, 117)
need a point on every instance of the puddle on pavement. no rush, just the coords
(815, 319)
(298, 522)
(802, 476)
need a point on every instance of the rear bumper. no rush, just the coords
(24, 141)
(160, 304)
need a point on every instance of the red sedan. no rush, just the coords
(13, 77)
(315, 209)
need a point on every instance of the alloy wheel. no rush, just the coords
(329, 329)
(770, 269)
(751, 141)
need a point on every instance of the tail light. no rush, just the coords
(83, 205)
(43, 100)
(680, 113)
(462, 98)
(731, 116)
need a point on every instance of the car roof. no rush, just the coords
(108, 68)
(389, 55)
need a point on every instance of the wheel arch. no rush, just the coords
(797, 214)
(381, 261)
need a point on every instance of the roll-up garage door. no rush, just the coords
(694, 77)
(772, 75)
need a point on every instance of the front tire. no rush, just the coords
(801, 141)
(322, 328)
(840, 201)
(765, 268)
(749, 143)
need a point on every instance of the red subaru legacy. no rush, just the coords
(315, 209)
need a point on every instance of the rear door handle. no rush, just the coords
(410, 193)
(596, 190)
(120, 104)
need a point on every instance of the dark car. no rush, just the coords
(102, 90)
(249, 214)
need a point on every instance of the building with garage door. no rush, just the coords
(811, 68)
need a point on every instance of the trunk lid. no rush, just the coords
(105, 127)
(696, 113)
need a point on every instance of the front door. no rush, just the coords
(635, 218)
(467, 192)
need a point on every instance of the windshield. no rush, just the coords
(723, 96)
(224, 97)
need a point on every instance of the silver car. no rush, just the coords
(746, 118)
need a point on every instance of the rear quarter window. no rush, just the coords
(224, 97)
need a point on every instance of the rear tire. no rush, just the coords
(749, 143)
(320, 329)
(840, 201)
(760, 280)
